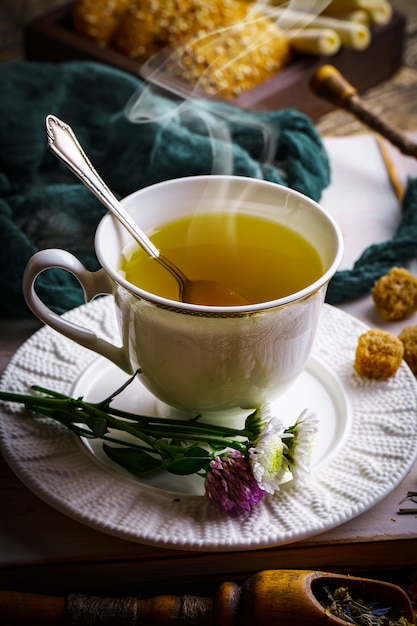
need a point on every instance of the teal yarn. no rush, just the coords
(379, 258)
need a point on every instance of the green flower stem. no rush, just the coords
(105, 406)
(148, 429)
(82, 432)
(170, 432)
(191, 425)
(59, 401)
(65, 409)
(174, 431)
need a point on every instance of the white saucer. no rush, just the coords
(366, 444)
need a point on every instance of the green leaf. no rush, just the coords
(188, 465)
(196, 451)
(136, 461)
(253, 423)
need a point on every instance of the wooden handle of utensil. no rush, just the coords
(21, 608)
(18, 608)
(330, 85)
(282, 597)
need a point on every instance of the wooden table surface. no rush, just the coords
(41, 549)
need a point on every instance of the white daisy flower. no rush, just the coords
(267, 458)
(300, 446)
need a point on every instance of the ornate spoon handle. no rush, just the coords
(64, 144)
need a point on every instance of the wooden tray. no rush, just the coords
(52, 38)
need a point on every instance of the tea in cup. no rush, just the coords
(273, 245)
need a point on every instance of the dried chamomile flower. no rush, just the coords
(408, 337)
(395, 294)
(378, 355)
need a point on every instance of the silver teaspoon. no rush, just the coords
(64, 144)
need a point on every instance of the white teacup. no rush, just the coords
(201, 359)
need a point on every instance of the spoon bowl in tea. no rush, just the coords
(64, 144)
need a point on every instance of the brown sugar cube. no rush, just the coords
(408, 337)
(378, 355)
(395, 294)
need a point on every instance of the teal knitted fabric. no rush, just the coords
(379, 258)
(43, 205)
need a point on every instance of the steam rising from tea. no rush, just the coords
(258, 258)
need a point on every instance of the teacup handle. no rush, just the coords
(93, 284)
